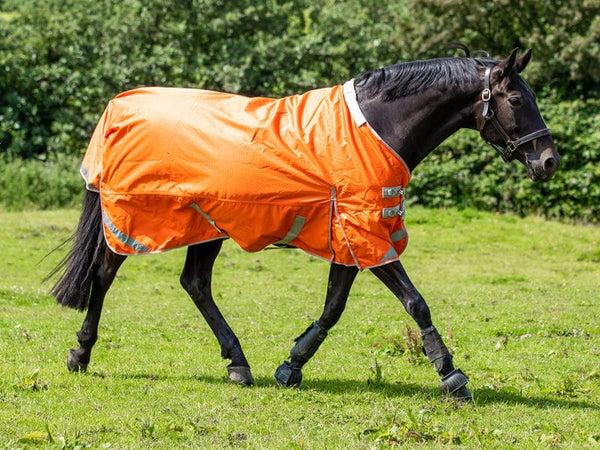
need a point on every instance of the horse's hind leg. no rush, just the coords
(196, 280)
(79, 359)
(338, 288)
(395, 278)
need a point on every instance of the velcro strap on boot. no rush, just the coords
(434, 347)
(308, 343)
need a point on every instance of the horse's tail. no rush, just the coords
(81, 263)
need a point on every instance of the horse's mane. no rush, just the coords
(411, 78)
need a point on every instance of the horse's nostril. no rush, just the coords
(550, 165)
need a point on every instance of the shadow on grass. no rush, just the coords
(482, 396)
(338, 386)
(485, 396)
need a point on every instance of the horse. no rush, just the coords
(396, 115)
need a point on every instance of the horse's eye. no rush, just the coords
(516, 101)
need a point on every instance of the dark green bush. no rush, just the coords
(62, 60)
(564, 34)
(465, 172)
(36, 184)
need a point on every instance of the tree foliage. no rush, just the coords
(62, 60)
(565, 36)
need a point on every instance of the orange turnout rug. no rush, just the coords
(176, 167)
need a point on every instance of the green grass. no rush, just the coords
(515, 299)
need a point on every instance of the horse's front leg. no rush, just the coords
(338, 288)
(395, 278)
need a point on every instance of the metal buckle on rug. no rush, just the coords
(398, 210)
(394, 191)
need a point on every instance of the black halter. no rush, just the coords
(490, 117)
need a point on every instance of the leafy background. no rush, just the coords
(62, 60)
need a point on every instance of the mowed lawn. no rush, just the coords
(517, 301)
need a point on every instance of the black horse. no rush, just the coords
(412, 107)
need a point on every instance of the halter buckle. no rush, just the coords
(508, 151)
(486, 95)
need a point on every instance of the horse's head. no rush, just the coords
(508, 118)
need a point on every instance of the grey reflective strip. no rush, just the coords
(127, 240)
(396, 191)
(294, 230)
(391, 253)
(352, 103)
(206, 216)
(398, 235)
(388, 213)
(86, 176)
(84, 172)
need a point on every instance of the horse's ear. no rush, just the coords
(506, 65)
(522, 61)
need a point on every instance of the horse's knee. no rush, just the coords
(196, 286)
(197, 272)
(186, 282)
(107, 270)
(418, 310)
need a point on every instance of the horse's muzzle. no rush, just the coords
(543, 168)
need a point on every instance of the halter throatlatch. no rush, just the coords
(490, 117)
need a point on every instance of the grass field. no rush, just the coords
(517, 301)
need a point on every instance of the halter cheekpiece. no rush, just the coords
(490, 117)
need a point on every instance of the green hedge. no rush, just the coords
(37, 184)
(466, 172)
(62, 60)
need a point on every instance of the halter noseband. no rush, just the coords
(490, 117)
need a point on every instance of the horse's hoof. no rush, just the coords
(463, 395)
(288, 376)
(241, 375)
(73, 363)
(454, 385)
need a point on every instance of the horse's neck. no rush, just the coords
(414, 126)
